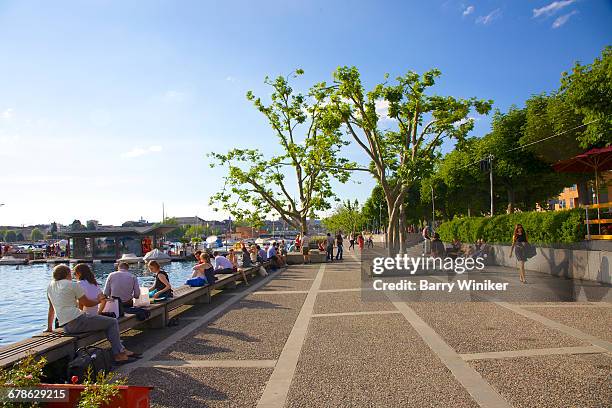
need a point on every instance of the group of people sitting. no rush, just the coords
(480, 249)
(204, 271)
(79, 307)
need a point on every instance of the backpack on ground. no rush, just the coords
(99, 359)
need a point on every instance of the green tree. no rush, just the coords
(53, 230)
(20, 236)
(91, 225)
(375, 208)
(76, 225)
(525, 179)
(346, 217)
(194, 231)
(36, 235)
(400, 156)
(10, 236)
(588, 89)
(311, 144)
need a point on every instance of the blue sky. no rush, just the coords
(107, 108)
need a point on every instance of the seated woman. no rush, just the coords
(63, 295)
(88, 283)
(321, 246)
(161, 289)
(246, 257)
(254, 252)
(203, 272)
(231, 256)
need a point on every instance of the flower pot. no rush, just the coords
(130, 396)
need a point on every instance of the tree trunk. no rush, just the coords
(583, 193)
(303, 226)
(510, 208)
(402, 229)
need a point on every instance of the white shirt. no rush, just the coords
(305, 241)
(222, 262)
(91, 292)
(63, 295)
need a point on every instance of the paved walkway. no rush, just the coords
(310, 336)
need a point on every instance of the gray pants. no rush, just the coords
(86, 323)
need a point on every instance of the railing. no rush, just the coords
(599, 221)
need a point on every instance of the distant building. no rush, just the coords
(189, 221)
(111, 243)
(570, 196)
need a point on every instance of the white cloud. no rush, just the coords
(230, 78)
(551, 8)
(468, 10)
(559, 21)
(382, 110)
(489, 18)
(140, 151)
(174, 96)
(7, 114)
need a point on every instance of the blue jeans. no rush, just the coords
(339, 252)
(330, 252)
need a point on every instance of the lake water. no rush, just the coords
(23, 304)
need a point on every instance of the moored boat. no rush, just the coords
(130, 258)
(157, 255)
(11, 260)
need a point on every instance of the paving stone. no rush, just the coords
(254, 328)
(559, 381)
(203, 387)
(476, 327)
(596, 321)
(338, 302)
(371, 361)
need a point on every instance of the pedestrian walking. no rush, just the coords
(426, 240)
(339, 250)
(519, 245)
(329, 247)
(352, 241)
(360, 242)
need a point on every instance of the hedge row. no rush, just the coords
(543, 227)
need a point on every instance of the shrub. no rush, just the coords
(543, 227)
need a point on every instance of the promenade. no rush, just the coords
(311, 336)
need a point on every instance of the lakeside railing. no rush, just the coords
(598, 221)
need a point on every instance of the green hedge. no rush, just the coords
(543, 227)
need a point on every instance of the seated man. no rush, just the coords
(122, 284)
(63, 295)
(261, 253)
(222, 264)
(273, 256)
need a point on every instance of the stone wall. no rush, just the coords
(569, 263)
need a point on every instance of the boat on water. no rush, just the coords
(11, 260)
(213, 242)
(130, 258)
(157, 255)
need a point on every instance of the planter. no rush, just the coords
(129, 396)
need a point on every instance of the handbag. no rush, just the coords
(111, 306)
(530, 250)
(143, 300)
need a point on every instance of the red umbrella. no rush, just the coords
(594, 160)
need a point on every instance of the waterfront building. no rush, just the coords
(110, 243)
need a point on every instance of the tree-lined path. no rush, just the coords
(309, 336)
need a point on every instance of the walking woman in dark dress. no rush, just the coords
(519, 241)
